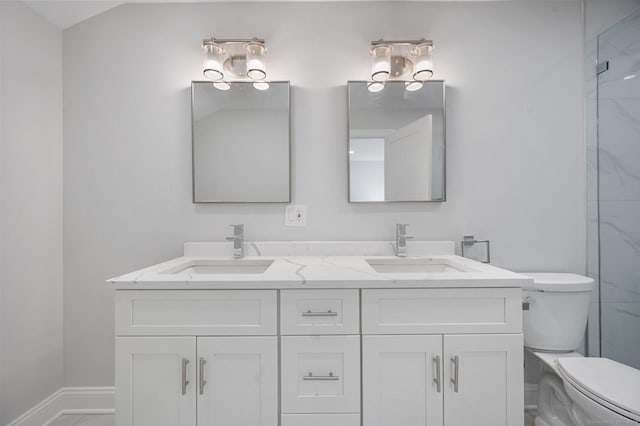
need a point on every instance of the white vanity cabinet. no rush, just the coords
(221, 370)
(437, 380)
(319, 356)
(469, 373)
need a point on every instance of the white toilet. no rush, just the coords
(574, 390)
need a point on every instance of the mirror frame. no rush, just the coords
(444, 148)
(193, 158)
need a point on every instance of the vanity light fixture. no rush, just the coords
(227, 60)
(400, 60)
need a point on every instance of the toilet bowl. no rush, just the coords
(574, 390)
(602, 391)
(578, 391)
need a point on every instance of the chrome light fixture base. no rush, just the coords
(400, 60)
(229, 60)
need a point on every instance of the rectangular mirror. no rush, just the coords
(396, 143)
(240, 143)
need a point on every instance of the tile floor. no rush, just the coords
(85, 420)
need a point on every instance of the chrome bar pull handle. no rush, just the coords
(185, 382)
(456, 364)
(329, 377)
(329, 313)
(202, 380)
(436, 379)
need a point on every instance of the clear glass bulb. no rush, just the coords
(422, 62)
(375, 86)
(380, 62)
(256, 69)
(213, 61)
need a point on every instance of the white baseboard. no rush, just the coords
(79, 400)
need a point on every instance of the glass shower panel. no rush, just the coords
(619, 190)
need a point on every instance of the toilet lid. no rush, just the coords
(615, 383)
(559, 282)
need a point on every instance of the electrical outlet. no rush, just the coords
(295, 215)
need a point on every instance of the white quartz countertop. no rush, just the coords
(340, 268)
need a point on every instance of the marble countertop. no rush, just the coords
(319, 265)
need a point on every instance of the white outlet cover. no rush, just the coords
(295, 215)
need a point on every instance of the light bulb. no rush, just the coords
(213, 60)
(412, 86)
(375, 86)
(255, 61)
(422, 62)
(222, 85)
(380, 62)
(261, 85)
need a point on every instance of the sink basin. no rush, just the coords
(395, 266)
(231, 266)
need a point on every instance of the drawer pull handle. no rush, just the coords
(202, 380)
(455, 379)
(185, 382)
(329, 313)
(436, 379)
(312, 377)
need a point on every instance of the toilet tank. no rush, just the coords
(558, 308)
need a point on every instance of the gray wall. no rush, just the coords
(30, 209)
(516, 161)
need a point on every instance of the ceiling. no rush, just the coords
(66, 13)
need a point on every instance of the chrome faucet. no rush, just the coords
(238, 240)
(401, 239)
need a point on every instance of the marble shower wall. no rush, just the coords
(613, 153)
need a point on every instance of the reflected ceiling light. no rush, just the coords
(375, 86)
(412, 86)
(222, 85)
(261, 85)
(228, 60)
(400, 60)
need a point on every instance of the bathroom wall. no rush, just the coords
(515, 150)
(30, 209)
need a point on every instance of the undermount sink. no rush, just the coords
(231, 266)
(401, 265)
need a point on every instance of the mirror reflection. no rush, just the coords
(396, 143)
(240, 143)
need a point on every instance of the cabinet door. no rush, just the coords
(237, 381)
(400, 380)
(155, 381)
(485, 388)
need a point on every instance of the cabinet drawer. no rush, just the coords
(196, 312)
(320, 420)
(319, 312)
(438, 311)
(320, 374)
